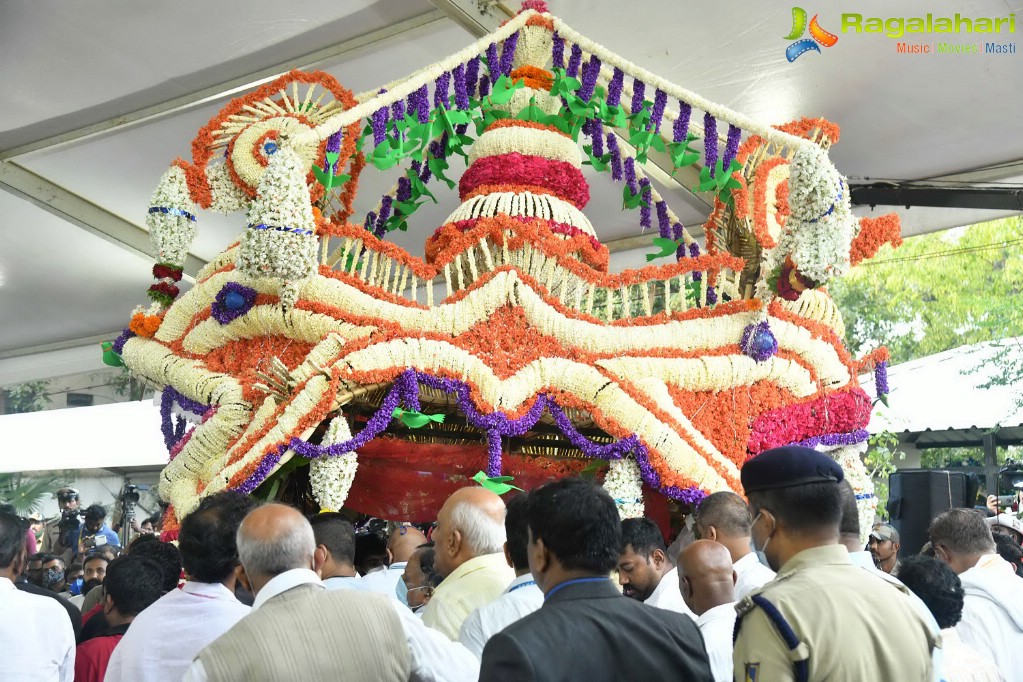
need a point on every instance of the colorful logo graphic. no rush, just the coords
(818, 36)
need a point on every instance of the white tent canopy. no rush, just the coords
(116, 436)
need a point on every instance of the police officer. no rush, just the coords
(56, 536)
(821, 618)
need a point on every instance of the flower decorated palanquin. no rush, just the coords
(313, 354)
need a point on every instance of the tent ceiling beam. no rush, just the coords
(319, 59)
(896, 194)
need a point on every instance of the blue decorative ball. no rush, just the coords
(270, 148)
(234, 301)
(763, 342)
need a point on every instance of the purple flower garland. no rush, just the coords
(589, 79)
(461, 89)
(558, 51)
(681, 128)
(710, 142)
(496, 425)
(573, 62)
(731, 146)
(833, 439)
(508, 53)
(472, 75)
(333, 145)
(493, 62)
(880, 377)
(173, 431)
(638, 95)
(597, 137)
(386, 203)
(379, 124)
(616, 157)
(614, 88)
(630, 175)
(657, 114)
(663, 222)
(119, 342)
(644, 208)
(440, 92)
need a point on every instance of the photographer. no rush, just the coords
(94, 532)
(58, 533)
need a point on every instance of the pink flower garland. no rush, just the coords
(564, 180)
(843, 412)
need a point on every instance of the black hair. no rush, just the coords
(208, 536)
(141, 539)
(8, 508)
(516, 528)
(1010, 551)
(727, 512)
(579, 524)
(133, 583)
(12, 538)
(336, 533)
(937, 585)
(95, 512)
(802, 507)
(962, 531)
(163, 554)
(368, 545)
(643, 536)
(47, 558)
(427, 557)
(91, 556)
(38, 556)
(850, 523)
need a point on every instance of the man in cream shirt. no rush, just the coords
(469, 544)
(644, 571)
(724, 518)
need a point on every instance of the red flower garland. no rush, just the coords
(556, 177)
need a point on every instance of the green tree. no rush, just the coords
(30, 396)
(938, 291)
(27, 493)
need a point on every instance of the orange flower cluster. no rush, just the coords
(145, 325)
(204, 143)
(534, 77)
(805, 127)
(760, 230)
(871, 359)
(242, 359)
(875, 233)
(516, 123)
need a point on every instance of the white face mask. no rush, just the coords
(761, 556)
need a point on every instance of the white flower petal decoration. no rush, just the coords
(171, 218)
(625, 485)
(331, 477)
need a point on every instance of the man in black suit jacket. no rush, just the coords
(586, 630)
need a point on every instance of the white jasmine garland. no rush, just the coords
(850, 458)
(331, 477)
(282, 206)
(624, 484)
(171, 233)
(227, 196)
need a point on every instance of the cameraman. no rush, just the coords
(95, 532)
(58, 534)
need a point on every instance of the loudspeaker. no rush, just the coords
(916, 496)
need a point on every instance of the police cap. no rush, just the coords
(789, 466)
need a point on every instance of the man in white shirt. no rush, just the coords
(724, 518)
(320, 634)
(644, 571)
(469, 554)
(36, 638)
(993, 605)
(400, 546)
(521, 598)
(707, 582)
(335, 551)
(164, 638)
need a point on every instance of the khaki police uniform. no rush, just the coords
(824, 618)
(52, 542)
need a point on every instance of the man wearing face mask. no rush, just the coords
(800, 625)
(52, 574)
(418, 579)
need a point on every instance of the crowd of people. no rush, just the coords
(549, 584)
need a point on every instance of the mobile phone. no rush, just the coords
(1006, 500)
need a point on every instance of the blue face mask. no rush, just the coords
(401, 591)
(761, 556)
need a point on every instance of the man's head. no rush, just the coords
(1009, 525)
(52, 573)
(706, 577)
(795, 501)
(94, 516)
(132, 584)
(403, 543)
(516, 529)
(884, 543)
(643, 559)
(12, 546)
(73, 572)
(335, 544)
(724, 517)
(574, 531)
(67, 499)
(34, 568)
(94, 569)
(470, 524)
(417, 577)
(208, 538)
(960, 537)
(937, 585)
(849, 526)
(370, 553)
(166, 556)
(272, 539)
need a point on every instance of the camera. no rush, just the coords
(130, 494)
(70, 520)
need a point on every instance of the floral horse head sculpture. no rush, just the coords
(313, 328)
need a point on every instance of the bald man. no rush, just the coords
(469, 554)
(400, 547)
(707, 581)
(318, 634)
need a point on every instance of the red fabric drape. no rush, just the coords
(403, 481)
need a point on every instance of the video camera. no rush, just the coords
(70, 520)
